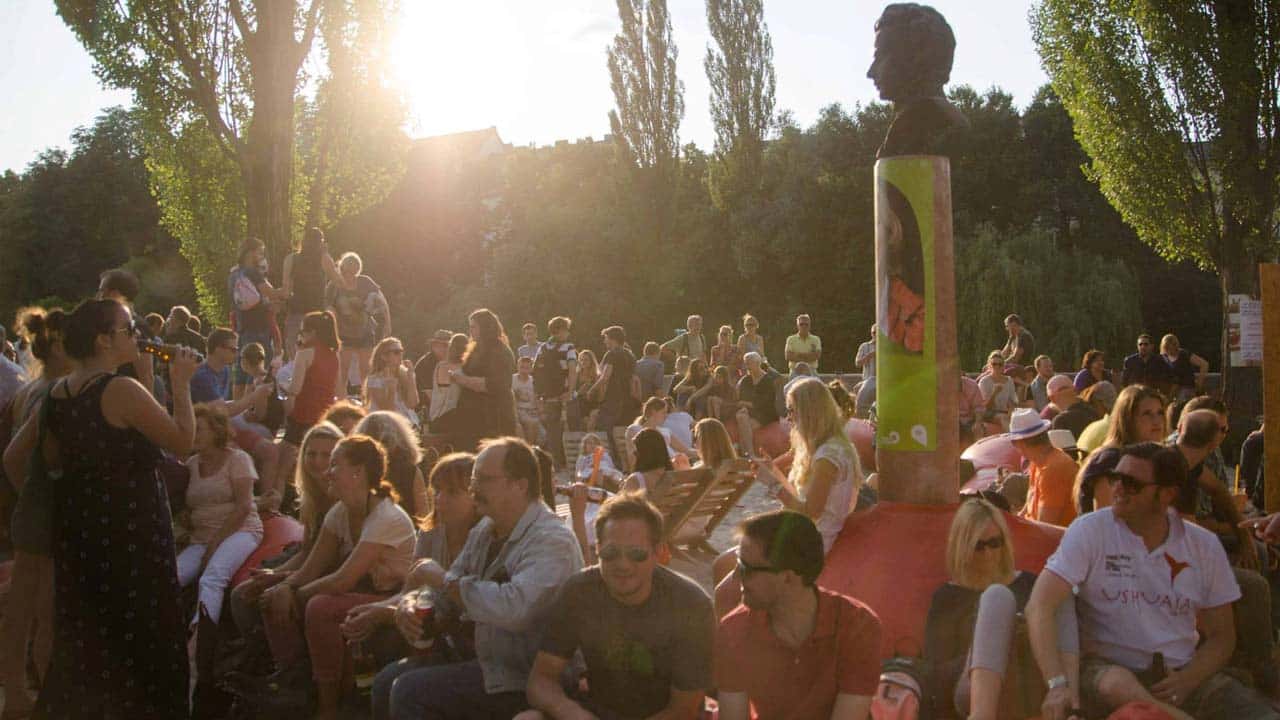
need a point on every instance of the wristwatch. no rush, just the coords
(1057, 681)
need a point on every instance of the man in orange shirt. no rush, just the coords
(1052, 471)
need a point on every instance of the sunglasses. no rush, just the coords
(745, 571)
(1131, 484)
(612, 553)
(994, 543)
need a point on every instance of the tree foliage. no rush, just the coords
(648, 94)
(740, 69)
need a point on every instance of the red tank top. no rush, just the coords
(317, 387)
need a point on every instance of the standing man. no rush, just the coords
(505, 581)
(691, 342)
(793, 649)
(617, 368)
(1052, 475)
(1040, 385)
(1147, 367)
(555, 374)
(1147, 582)
(251, 297)
(645, 632)
(1020, 348)
(122, 286)
(803, 346)
(530, 347)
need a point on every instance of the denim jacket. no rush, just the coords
(510, 599)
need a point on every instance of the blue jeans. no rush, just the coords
(417, 689)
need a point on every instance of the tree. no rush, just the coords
(649, 96)
(740, 69)
(1176, 103)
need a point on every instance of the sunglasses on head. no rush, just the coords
(612, 553)
(745, 571)
(994, 543)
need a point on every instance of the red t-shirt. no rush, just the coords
(841, 656)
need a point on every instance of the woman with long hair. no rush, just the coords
(404, 454)
(586, 405)
(443, 535)
(305, 271)
(314, 501)
(725, 352)
(1137, 416)
(486, 405)
(1093, 369)
(1189, 369)
(714, 445)
(104, 434)
(653, 462)
(972, 616)
(391, 384)
(825, 473)
(441, 415)
(30, 598)
(225, 527)
(311, 389)
(652, 416)
(696, 377)
(362, 555)
(751, 340)
(719, 394)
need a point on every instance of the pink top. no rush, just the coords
(211, 501)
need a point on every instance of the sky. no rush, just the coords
(536, 71)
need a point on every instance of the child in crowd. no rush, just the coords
(527, 419)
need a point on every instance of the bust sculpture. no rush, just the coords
(913, 54)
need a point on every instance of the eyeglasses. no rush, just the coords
(745, 571)
(1131, 484)
(994, 543)
(612, 553)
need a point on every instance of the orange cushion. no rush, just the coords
(893, 557)
(278, 531)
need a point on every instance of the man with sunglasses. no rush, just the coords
(1146, 367)
(1147, 582)
(1052, 473)
(793, 649)
(504, 580)
(644, 631)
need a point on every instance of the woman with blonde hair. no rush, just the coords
(714, 445)
(971, 622)
(404, 454)
(391, 384)
(750, 340)
(725, 352)
(825, 473)
(585, 407)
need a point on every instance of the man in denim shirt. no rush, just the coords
(505, 580)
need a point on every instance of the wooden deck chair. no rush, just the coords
(677, 497)
(572, 447)
(626, 450)
(719, 500)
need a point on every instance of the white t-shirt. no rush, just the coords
(634, 429)
(844, 490)
(1006, 395)
(387, 524)
(211, 499)
(680, 424)
(1133, 603)
(526, 398)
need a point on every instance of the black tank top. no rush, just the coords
(308, 284)
(1184, 373)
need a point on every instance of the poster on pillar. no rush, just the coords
(906, 362)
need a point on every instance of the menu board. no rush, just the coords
(1244, 330)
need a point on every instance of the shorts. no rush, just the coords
(358, 342)
(294, 431)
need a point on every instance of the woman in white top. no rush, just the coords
(825, 475)
(444, 393)
(586, 462)
(225, 527)
(363, 554)
(653, 417)
(999, 392)
(391, 384)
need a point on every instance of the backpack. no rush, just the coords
(244, 294)
(549, 374)
(900, 694)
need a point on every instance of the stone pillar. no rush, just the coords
(917, 368)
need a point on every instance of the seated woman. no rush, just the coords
(695, 378)
(825, 474)
(312, 488)
(391, 384)
(719, 394)
(363, 553)
(972, 617)
(610, 476)
(403, 456)
(999, 395)
(652, 417)
(225, 527)
(440, 541)
(653, 462)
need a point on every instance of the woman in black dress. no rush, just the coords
(487, 405)
(119, 630)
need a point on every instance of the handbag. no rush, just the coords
(32, 526)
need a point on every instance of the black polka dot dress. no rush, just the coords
(119, 633)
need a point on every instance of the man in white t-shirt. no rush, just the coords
(1146, 581)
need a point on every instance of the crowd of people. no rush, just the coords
(432, 576)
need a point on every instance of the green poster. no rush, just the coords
(906, 347)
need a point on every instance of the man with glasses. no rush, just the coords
(1147, 367)
(1147, 582)
(803, 346)
(644, 631)
(793, 649)
(505, 581)
(211, 382)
